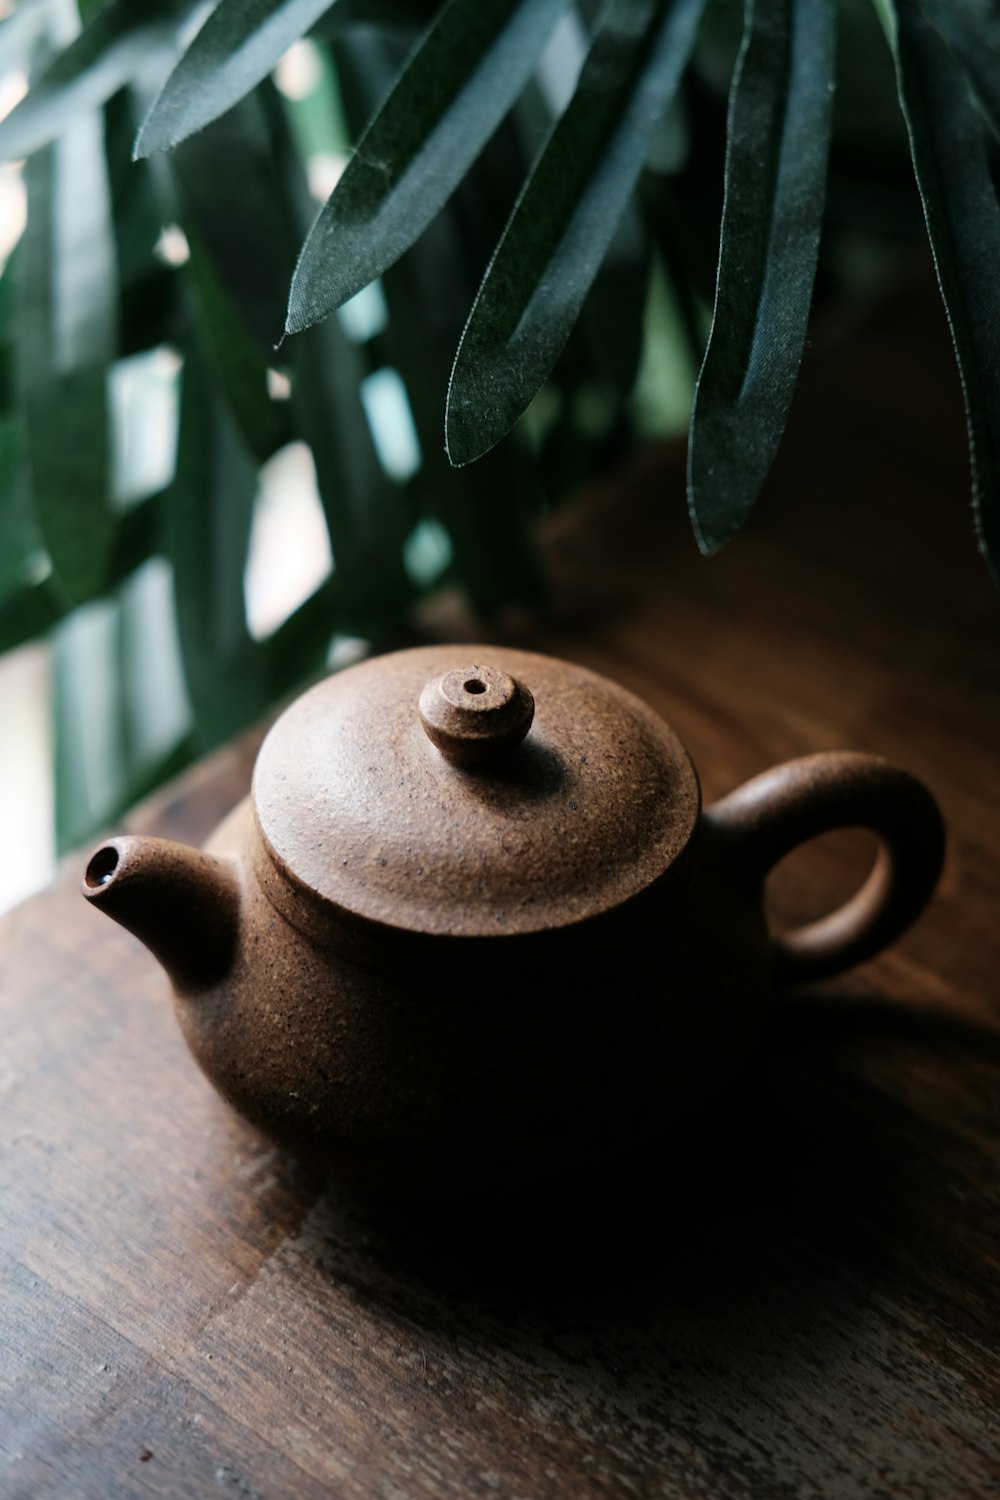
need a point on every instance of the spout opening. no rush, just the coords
(184, 905)
(101, 868)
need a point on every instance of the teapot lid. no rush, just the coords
(472, 790)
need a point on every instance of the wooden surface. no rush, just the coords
(808, 1306)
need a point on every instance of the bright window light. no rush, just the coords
(289, 554)
(13, 210)
(299, 71)
(13, 88)
(383, 396)
(144, 407)
(86, 648)
(324, 170)
(365, 314)
(155, 698)
(172, 247)
(27, 811)
(279, 387)
(427, 551)
(346, 650)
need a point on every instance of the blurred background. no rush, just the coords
(196, 517)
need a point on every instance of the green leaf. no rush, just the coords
(150, 291)
(209, 509)
(382, 15)
(238, 45)
(362, 507)
(972, 28)
(66, 338)
(368, 63)
(138, 536)
(27, 614)
(487, 512)
(963, 224)
(564, 219)
(136, 209)
(30, 608)
(239, 362)
(118, 43)
(20, 540)
(455, 90)
(779, 133)
(229, 199)
(9, 278)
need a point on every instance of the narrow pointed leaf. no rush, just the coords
(564, 219)
(208, 512)
(138, 213)
(487, 513)
(66, 342)
(238, 45)
(242, 251)
(776, 158)
(454, 92)
(116, 44)
(362, 507)
(972, 28)
(963, 224)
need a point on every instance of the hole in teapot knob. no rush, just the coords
(102, 867)
(474, 685)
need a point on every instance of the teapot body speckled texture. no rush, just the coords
(508, 1065)
(452, 949)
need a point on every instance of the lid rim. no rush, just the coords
(323, 920)
(359, 816)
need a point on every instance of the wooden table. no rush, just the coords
(811, 1309)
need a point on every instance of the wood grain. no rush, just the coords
(803, 1304)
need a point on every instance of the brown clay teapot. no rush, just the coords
(472, 932)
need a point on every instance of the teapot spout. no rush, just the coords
(184, 905)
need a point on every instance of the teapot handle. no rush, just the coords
(768, 817)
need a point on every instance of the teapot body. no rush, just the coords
(472, 933)
(443, 1067)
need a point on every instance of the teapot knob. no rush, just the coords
(476, 715)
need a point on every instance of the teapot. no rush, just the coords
(472, 932)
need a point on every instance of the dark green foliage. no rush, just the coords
(236, 48)
(520, 274)
(775, 177)
(963, 222)
(565, 217)
(122, 38)
(66, 338)
(465, 75)
(241, 256)
(207, 533)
